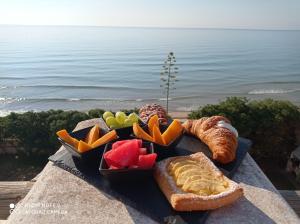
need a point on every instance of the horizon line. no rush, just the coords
(159, 27)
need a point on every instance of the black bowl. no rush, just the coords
(124, 133)
(91, 157)
(125, 175)
(165, 151)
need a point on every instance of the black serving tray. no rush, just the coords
(145, 196)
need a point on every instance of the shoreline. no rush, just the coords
(173, 113)
(116, 105)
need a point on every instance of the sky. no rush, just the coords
(244, 14)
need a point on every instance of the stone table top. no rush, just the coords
(60, 197)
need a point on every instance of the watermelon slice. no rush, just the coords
(114, 167)
(125, 155)
(109, 161)
(133, 167)
(146, 161)
(143, 151)
(119, 143)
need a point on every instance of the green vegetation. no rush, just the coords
(270, 124)
(36, 131)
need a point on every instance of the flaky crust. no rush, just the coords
(221, 141)
(183, 201)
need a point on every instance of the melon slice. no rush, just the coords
(112, 135)
(172, 132)
(140, 133)
(64, 135)
(153, 121)
(93, 135)
(157, 137)
(83, 147)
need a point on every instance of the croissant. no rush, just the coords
(217, 133)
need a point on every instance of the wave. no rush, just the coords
(270, 83)
(12, 78)
(6, 100)
(82, 87)
(28, 100)
(4, 113)
(43, 77)
(271, 91)
(282, 82)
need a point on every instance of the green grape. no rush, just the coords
(128, 122)
(133, 117)
(120, 113)
(121, 117)
(107, 114)
(111, 121)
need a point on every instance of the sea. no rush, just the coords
(81, 68)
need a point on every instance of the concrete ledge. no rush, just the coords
(293, 198)
(12, 192)
(83, 203)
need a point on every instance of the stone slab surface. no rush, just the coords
(60, 197)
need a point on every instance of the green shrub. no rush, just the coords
(62, 120)
(36, 131)
(270, 124)
(128, 111)
(2, 129)
(95, 113)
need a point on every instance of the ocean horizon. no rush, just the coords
(80, 68)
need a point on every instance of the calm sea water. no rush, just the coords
(81, 68)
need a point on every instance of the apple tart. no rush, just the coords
(193, 183)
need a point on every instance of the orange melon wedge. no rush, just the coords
(64, 135)
(172, 132)
(153, 121)
(140, 133)
(112, 135)
(83, 147)
(93, 135)
(157, 137)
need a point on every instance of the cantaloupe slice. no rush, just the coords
(64, 135)
(140, 133)
(93, 135)
(157, 137)
(112, 135)
(172, 132)
(153, 121)
(83, 147)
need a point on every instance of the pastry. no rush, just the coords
(193, 183)
(218, 134)
(148, 110)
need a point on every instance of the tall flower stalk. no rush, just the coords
(169, 76)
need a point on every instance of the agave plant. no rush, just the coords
(168, 76)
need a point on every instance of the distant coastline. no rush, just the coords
(156, 27)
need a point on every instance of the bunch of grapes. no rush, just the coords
(120, 119)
